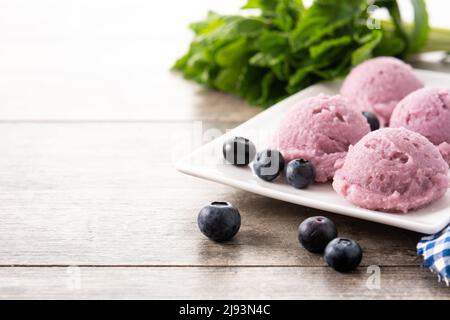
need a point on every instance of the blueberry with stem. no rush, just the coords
(219, 221)
(372, 119)
(343, 255)
(268, 164)
(316, 232)
(238, 151)
(300, 173)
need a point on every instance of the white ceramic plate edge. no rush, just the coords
(184, 166)
(383, 218)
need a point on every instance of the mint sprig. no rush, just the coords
(287, 47)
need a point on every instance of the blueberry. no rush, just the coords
(268, 164)
(300, 173)
(239, 151)
(343, 255)
(219, 221)
(372, 120)
(315, 233)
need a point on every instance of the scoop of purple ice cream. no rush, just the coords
(377, 85)
(320, 130)
(392, 170)
(426, 111)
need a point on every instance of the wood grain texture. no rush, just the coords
(217, 283)
(91, 120)
(103, 194)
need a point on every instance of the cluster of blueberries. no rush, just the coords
(319, 235)
(220, 221)
(269, 163)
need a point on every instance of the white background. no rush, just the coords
(87, 59)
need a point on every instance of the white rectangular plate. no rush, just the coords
(207, 163)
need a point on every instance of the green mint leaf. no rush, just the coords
(419, 35)
(390, 46)
(366, 50)
(323, 47)
(323, 18)
(286, 47)
(233, 53)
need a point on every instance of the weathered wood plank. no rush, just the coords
(218, 283)
(102, 194)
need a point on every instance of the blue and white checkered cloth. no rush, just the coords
(435, 250)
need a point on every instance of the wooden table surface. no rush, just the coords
(91, 120)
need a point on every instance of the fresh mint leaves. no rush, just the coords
(288, 47)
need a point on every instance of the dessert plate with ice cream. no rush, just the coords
(396, 175)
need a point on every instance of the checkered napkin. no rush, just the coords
(435, 250)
